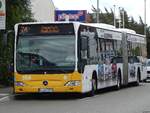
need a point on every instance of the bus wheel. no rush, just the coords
(138, 78)
(94, 86)
(118, 81)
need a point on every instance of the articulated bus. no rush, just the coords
(73, 57)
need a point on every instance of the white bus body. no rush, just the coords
(99, 59)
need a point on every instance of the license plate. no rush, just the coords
(45, 90)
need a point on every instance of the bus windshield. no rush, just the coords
(47, 53)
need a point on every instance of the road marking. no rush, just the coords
(4, 94)
(4, 98)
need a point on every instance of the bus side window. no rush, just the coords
(130, 60)
(84, 47)
(84, 43)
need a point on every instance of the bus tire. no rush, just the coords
(118, 86)
(94, 85)
(138, 78)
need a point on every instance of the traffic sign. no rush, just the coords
(2, 15)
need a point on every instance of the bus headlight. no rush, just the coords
(19, 84)
(73, 83)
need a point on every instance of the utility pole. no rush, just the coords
(97, 11)
(115, 15)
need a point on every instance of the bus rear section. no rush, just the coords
(45, 58)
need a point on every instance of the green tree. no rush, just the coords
(16, 11)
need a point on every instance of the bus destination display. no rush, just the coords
(41, 29)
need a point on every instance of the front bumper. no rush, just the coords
(57, 83)
(63, 89)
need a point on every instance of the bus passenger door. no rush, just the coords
(84, 52)
(84, 64)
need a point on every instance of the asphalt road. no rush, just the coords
(127, 100)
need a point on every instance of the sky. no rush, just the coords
(134, 8)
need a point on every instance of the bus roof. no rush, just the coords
(98, 25)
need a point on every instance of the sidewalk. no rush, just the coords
(8, 90)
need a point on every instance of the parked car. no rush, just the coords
(148, 68)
